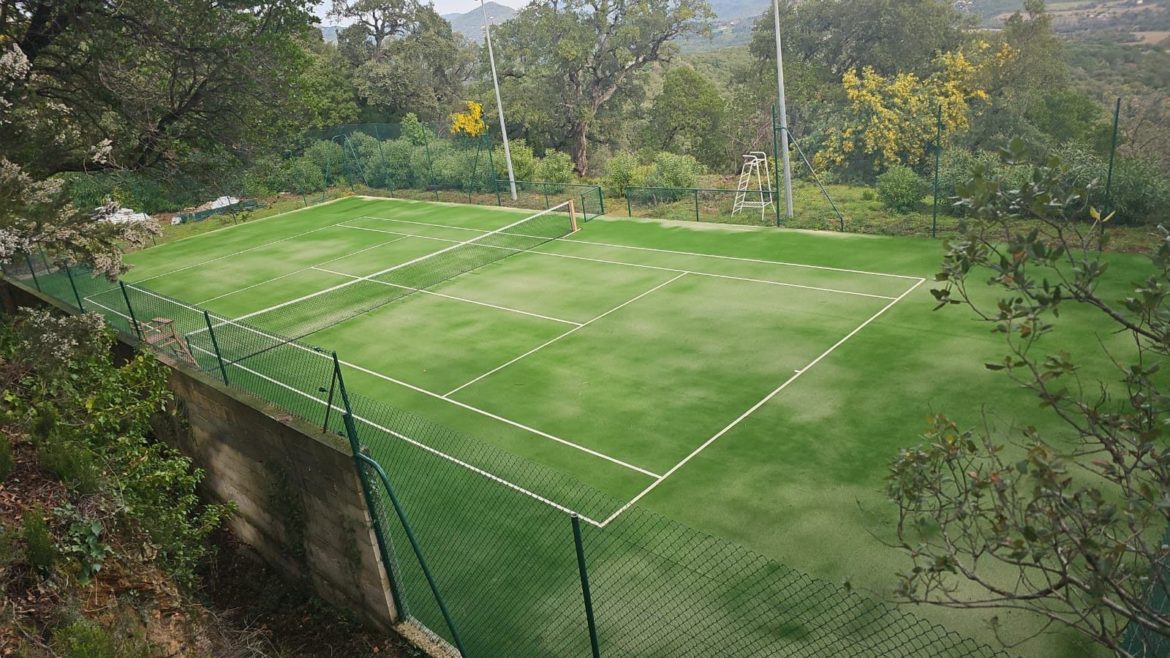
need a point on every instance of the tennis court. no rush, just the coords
(647, 375)
(613, 363)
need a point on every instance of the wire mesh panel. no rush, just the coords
(495, 531)
(536, 195)
(311, 313)
(748, 207)
(503, 558)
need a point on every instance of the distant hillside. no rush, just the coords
(470, 24)
(728, 9)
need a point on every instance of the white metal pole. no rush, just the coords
(783, 111)
(487, 30)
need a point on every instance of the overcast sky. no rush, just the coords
(441, 6)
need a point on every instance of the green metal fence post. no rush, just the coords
(629, 208)
(215, 345)
(586, 595)
(545, 187)
(696, 191)
(1112, 157)
(937, 162)
(76, 295)
(130, 310)
(329, 401)
(368, 494)
(601, 200)
(33, 270)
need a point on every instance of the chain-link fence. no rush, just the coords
(503, 557)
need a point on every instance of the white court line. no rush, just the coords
(458, 299)
(437, 396)
(303, 269)
(672, 251)
(237, 253)
(475, 469)
(567, 333)
(660, 268)
(387, 270)
(757, 406)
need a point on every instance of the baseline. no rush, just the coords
(669, 251)
(538, 251)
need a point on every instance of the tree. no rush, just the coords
(891, 119)
(1067, 521)
(406, 57)
(688, 117)
(564, 64)
(153, 77)
(891, 36)
(1019, 88)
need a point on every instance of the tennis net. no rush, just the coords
(297, 318)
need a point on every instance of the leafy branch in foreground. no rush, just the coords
(1068, 521)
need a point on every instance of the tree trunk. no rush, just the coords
(580, 148)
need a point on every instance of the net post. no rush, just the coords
(32, 269)
(585, 593)
(73, 285)
(215, 344)
(130, 310)
(696, 193)
(572, 216)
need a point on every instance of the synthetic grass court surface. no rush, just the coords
(750, 383)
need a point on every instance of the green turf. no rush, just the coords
(662, 334)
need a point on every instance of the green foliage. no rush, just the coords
(83, 542)
(1050, 518)
(414, 131)
(523, 160)
(901, 189)
(624, 170)
(555, 167)
(957, 165)
(589, 61)
(73, 393)
(83, 638)
(687, 117)
(39, 551)
(1140, 194)
(6, 463)
(62, 454)
(672, 170)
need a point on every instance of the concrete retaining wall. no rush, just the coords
(298, 498)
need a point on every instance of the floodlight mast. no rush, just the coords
(783, 112)
(487, 31)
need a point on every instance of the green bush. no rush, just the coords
(624, 170)
(901, 189)
(1140, 192)
(304, 176)
(555, 167)
(39, 551)
(523, 161)
(673, 170)
(84, 639)
(71, 461)
(6, 464)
